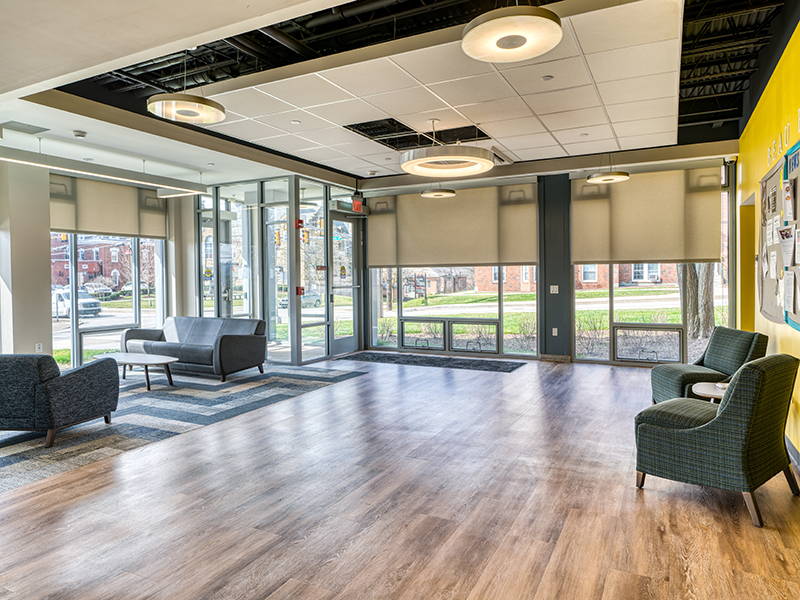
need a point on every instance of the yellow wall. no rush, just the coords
(776, 116)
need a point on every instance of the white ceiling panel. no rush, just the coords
(346, 164)
(308, 90)
(540, 153)
(308, 122)
(510, 108)
(648, 141)
(513, 127)
(575, 118)
(287, 143)
(247, 130)
(567, 48)
(448, 119)
(388, 159)
(646, 126)
(566, 73)
(320, 154)
(418, 99)
(635, 61)
(249, 102)
(563, 100)
(371, 77)
(630, 24)
(592, 147)
(440, 63)
(349, 112)
(644, 109)
(584, 134)
(332, 136)
(480, 88)
(362, 148)
(519, 142)
(639, 88)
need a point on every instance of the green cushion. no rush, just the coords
(675, 381)
(680, 413)
(728, 349)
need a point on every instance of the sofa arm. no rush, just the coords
(153, 335)
(236, 352)
(88, 392)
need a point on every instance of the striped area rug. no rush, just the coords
(144, 417)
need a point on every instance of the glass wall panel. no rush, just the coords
(461, 292)
(276, 257)
(313, 271)
(207, 268)
(238, 236)
(314, 342)
(647, 293)
(648, 345)
(592, 303)
(519, 310)
(149, 275)
(473, 337)
(423, 334)
(99, 343)
(105, 272)
(383, 296)
(60, 298)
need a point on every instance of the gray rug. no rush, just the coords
(445, 362)
(145, 417)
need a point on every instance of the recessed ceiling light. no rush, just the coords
(372, 173)
(295, 122)
(511, 34)
(79, 134)
(186, 108)
(547, 77)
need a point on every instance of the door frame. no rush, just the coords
(355, 341)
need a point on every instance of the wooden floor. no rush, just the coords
(409, 483)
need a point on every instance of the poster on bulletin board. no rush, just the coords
(773, 242)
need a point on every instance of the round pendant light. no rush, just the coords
(186, 108)
(447, 161)
(608, 177)
(438, 193)
(511, 34)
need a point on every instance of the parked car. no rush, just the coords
(87, 306)
(97, 289)
(127, 289)
(309, 299)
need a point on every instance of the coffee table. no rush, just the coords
(710, 390)
(132, 359)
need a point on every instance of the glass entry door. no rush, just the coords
(345, 298)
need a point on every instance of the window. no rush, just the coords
(114, 255)
(80, 254)
(115, 277)
(96, 254)
(654, 272)
(495, 271)
(589, 273)
(525, 274)
(638, 272)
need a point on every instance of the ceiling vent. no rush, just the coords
(23, 127)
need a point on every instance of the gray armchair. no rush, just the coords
(36, 396)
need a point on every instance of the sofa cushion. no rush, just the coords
(242, 327)
(164, 348)
(177, 329)
(199, 354)
(204, 331)
(727, 350)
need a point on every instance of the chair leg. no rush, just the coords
(260, 368)
(752, 506)
(107, 418)
(640, 479)
(791, 480)
(51, 437)
(222, 379)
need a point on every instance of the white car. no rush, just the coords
(87, 306)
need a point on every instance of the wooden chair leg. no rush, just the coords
(107, 418)
(51, 437)
(752, 506)
(791, 480)
(640, 479)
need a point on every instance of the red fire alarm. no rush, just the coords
(298, 223)
(301, 291)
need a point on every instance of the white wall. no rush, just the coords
(25, 259)
(181, 258)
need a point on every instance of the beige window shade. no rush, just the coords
(664, 217)
(483, 226)
(96, 207)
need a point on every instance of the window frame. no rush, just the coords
(586, 279)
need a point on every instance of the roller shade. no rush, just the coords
(97, 207)
(663, 217)
(482, 226)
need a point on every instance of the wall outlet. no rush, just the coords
(553, 289)
(555, 331)
(38, 348)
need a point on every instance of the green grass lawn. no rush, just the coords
(445, 299)
(64, 357)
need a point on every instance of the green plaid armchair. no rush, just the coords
(738, 445)
(728, 349)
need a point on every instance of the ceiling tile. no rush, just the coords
(649, 141)
(639, 88)
(345, 164)
(575, 118)
(567, 48)
(308, 90)
(362, 148)
(592, 147)
(585, 134)
(308, 122)
(416, 99)
(646, 126)
(247, 130)
(635, 61)
(287, 143)
(540, 153)
(389, 159)
(371, 77)
(644, 109)
(333, 136)
(563, 100)
(480, 88)
(373, 171)
(510, 108)
(440, 63)
(566, 73)
(630, 24)
(319, 154)
(249, 102)
(448, 119)
(349, 112)
(519, 142)
(513, 127)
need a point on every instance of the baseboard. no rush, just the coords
(555, 357)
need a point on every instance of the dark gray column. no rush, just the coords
(555, 268)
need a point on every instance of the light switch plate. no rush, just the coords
(553, 289)
(555, 331)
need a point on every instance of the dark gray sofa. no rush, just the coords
(204, 344)
(36, 396)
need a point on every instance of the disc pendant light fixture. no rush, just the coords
(610, 176)
(447, 161)
(438, 192)
(511, 34)
(186, 108)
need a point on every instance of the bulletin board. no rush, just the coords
(790, 183)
